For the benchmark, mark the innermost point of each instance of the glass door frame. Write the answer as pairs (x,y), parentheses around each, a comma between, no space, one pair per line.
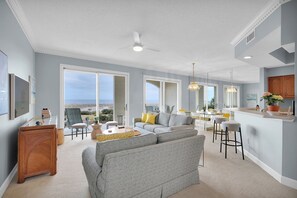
(162,99)
(96,71)
(238,96)
(206,85)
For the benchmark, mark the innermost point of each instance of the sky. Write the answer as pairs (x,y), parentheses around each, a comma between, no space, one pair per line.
(82,86)
(152,93)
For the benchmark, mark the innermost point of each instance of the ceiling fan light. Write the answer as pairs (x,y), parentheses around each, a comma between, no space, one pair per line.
(137,48)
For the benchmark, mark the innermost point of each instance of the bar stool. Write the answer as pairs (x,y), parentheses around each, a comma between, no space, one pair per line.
(235,127)
(217,121)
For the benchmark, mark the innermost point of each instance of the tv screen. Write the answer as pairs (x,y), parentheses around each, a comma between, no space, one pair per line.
(19,96)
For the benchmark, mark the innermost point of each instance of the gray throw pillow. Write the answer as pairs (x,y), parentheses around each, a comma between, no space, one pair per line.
(164,119)
(177,120)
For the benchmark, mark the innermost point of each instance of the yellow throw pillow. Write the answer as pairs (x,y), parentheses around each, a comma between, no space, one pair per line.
(151,118)
(143,117)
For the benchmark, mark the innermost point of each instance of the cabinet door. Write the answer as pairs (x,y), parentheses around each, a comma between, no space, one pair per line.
(275,85)
(289,86)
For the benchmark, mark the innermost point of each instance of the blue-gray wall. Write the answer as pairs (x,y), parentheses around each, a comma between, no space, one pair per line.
(251,88)
(21,61)
(48,83)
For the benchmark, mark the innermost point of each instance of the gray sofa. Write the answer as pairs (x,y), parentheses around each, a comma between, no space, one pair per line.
(168,126)
(141,167)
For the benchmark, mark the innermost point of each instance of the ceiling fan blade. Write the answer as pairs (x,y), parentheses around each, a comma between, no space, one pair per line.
(155,50)
(136,37)
(124,47)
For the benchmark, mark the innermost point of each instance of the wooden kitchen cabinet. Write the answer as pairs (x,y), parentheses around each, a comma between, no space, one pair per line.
(282,85)
(289,86)
(37,148)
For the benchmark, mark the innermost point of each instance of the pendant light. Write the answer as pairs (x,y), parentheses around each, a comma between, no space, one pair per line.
(193,86)
(231,89)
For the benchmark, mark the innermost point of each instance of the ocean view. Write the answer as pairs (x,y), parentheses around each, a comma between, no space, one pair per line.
(89,102)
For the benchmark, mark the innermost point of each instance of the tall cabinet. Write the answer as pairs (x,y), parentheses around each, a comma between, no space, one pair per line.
(37,148)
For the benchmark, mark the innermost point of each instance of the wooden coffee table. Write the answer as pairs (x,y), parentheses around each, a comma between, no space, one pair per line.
(120,130)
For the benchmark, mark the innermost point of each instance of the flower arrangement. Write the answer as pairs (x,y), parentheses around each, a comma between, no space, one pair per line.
(272,99)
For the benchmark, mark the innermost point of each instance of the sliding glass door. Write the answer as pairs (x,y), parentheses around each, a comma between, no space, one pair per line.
(161,95)
(80,92)
(206,97)
(231,96)
(100,96)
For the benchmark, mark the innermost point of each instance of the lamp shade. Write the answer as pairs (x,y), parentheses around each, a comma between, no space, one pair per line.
(231,89)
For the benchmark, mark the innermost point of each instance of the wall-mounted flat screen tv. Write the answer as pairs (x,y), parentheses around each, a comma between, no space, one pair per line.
(3,84)
(19,96)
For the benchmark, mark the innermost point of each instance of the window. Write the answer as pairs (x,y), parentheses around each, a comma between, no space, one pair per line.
(231,96)
(161,95)
(100,95)
(206,97)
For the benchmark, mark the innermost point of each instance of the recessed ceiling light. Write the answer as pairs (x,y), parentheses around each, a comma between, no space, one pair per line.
(247,57)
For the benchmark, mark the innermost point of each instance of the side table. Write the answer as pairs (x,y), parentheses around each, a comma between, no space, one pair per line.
(96,130)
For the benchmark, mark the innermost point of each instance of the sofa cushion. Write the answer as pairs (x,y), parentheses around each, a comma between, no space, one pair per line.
(140,124)
(162,129)
(181,127)
(103,148)
(152,127)
(177,120)
(174,135)
(164,119)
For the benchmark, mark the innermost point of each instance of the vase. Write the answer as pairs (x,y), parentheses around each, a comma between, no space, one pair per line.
(272,107)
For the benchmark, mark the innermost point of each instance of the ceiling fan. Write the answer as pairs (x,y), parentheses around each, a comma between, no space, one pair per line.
(138,46)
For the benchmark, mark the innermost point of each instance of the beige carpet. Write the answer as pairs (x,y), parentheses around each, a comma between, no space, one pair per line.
(233,177)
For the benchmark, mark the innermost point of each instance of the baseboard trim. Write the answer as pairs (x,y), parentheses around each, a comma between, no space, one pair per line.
(289,182)
(281,179)
(7,181)
(264,166)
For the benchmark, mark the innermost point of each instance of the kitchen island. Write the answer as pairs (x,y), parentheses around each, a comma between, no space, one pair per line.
(271,142)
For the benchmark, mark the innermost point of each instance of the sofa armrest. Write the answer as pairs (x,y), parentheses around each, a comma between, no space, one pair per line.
(134,120)
(92,169)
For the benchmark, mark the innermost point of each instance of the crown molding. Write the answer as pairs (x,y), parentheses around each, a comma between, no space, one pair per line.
(20,16)
(262,16)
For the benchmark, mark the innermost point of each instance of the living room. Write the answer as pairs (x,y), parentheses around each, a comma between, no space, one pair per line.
(181,43)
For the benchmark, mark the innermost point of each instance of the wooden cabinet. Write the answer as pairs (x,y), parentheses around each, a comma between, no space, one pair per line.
(289,86)
(37,149)
(282,85)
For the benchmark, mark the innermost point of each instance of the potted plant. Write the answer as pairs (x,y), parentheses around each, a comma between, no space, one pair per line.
(272,101)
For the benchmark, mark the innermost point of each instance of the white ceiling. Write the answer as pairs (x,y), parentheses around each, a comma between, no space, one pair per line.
(183,31)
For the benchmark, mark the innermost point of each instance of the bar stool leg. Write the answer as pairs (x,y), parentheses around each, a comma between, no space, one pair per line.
(82,133)
(71,133)
(216,131)
(235,142)
(213,131)
(226,134)
(221,141)
(241,143)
